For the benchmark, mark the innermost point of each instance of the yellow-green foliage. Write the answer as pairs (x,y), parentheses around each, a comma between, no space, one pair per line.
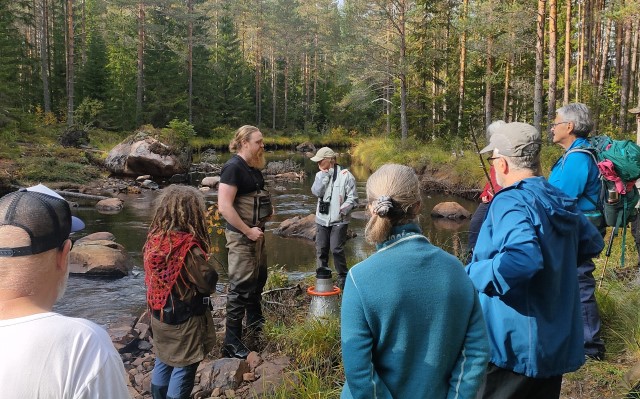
(105,140)
(307,384)
(463,165)
(313,344)
(277,278)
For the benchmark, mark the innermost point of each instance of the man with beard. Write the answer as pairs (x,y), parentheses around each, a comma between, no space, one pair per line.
(245,205)
(45,354)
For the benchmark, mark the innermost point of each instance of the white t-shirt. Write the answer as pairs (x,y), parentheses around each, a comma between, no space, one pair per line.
(48,355)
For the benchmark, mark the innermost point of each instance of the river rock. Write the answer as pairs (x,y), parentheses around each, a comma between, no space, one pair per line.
(303,227)
(450,210)
(101,235)
(211,181)
(271,376)
(142,154)
(110,205)
(225,373)
(298,226)
(307,146)
(103,258)
(150,184)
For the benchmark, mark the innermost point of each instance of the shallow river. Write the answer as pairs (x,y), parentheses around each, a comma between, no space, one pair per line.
(106,300)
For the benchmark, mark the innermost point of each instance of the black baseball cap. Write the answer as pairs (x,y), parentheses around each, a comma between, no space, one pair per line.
(43,214)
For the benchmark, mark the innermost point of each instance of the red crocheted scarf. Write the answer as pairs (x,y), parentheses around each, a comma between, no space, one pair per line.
(164,258)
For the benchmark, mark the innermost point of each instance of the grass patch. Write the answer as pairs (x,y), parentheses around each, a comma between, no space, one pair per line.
(53,163)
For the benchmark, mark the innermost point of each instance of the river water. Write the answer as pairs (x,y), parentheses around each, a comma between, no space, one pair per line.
(106,300)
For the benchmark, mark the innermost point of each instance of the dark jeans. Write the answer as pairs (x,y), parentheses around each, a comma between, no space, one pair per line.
(332,239)
(505,384)
(172,382)
(635,231)
(474,227)
(593,344)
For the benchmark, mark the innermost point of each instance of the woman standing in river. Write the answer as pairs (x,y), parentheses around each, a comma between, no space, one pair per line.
(179,282)
(412,326)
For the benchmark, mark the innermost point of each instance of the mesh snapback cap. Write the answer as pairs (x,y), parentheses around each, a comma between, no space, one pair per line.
(43,214)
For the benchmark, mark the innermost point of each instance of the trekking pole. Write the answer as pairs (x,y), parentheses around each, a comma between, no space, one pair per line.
(484,168)
(607,254)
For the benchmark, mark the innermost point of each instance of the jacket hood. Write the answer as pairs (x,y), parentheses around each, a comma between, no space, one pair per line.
(562,211)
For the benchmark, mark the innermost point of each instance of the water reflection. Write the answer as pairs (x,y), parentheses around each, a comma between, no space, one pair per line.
(103,301)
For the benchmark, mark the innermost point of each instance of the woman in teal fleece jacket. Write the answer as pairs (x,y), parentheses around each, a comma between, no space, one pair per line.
(412,326)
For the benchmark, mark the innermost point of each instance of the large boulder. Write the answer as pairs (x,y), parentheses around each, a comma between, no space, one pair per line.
(143,154)
(298,226)
(109,205)
(303,227)
(450,210)
(307,146)
(99,257)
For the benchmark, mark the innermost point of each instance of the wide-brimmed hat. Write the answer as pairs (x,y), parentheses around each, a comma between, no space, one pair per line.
(323,153)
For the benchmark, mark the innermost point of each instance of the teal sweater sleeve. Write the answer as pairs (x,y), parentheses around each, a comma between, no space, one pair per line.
(357,348)
(472,362)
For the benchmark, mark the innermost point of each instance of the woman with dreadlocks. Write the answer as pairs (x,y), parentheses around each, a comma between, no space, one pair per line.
(179,282)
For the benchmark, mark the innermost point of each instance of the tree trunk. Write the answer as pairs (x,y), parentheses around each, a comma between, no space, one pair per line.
(84,33)
(488,80)
(403,65)
(44,58)
(634,63)
(603,70)
(274,87)
(259,65)
(70,60)
(140,72)
(567,55)
(553,61)
(626,70)
(619,38)
(580,51)
(286,91)
(537,96)
(463,60)
(507,77)
(190,58)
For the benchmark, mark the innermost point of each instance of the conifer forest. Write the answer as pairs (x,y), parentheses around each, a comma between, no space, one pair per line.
(427,69)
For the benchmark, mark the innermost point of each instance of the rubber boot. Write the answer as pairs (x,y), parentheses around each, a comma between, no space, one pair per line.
(159,392)
(233,346)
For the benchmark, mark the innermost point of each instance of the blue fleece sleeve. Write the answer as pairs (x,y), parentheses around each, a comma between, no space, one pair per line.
(471,365)
(357,347)
(572,176)
(518,257)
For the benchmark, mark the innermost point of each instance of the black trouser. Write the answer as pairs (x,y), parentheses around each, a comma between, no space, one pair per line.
(332,239)
(635,231)
(501,383)
(593,343)
(474,227)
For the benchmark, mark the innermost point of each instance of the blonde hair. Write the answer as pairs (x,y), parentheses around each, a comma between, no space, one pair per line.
(181,208)
(242,134)
(398,187)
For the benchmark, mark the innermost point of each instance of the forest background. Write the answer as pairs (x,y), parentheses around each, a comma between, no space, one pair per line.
(423,69)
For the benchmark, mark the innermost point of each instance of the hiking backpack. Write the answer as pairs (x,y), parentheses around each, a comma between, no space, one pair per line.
(618,162)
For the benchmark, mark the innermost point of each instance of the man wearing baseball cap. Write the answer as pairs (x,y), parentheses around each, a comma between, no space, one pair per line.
(524,267)
(335,188)
(45,354)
